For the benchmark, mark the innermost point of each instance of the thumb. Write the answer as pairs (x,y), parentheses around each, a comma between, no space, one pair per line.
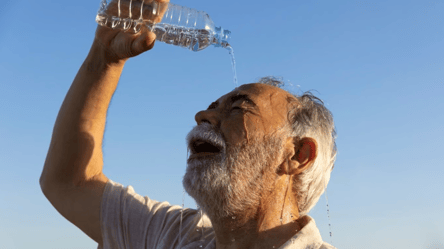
(144,42)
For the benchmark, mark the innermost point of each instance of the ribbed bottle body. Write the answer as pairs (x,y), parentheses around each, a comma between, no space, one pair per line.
(172,24)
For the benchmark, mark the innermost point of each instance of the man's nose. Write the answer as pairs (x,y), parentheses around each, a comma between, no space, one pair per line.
(209,116)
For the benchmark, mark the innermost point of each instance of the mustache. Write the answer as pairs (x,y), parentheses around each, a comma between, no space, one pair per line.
(206,133)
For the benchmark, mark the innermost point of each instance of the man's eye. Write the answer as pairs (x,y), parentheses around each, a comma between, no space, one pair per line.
(212,106)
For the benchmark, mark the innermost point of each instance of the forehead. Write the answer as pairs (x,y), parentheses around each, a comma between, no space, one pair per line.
(271,103)
(259,93)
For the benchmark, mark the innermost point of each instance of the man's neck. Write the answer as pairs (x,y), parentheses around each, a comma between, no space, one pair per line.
(248,237)
(270,225)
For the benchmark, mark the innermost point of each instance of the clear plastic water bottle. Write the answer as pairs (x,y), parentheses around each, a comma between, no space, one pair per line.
(172,24)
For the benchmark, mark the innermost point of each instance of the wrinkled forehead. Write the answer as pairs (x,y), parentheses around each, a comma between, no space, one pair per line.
(262,94)
(272,102)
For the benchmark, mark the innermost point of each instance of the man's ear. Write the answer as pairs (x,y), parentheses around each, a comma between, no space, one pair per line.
(302,155)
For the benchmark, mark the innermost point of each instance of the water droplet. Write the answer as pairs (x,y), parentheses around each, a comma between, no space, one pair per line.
(183,198)
(328,213)
(181,217)
(203,225)
(233,217)
(232,240)
(200,246)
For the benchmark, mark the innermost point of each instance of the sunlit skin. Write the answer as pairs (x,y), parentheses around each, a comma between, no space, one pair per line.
(261,111)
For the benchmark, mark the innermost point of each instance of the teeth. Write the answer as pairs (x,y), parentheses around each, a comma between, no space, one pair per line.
(196,144)
(199,143)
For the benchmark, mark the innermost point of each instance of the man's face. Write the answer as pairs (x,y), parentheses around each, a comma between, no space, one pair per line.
(236,149)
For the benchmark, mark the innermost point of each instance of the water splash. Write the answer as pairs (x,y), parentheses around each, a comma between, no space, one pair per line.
(233,63)
(328,214)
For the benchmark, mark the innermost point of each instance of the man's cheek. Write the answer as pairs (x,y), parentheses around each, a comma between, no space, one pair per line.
(234,133)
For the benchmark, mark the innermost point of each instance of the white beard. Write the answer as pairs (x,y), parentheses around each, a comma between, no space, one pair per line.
(228,183)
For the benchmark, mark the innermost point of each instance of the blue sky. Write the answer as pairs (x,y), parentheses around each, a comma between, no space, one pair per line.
(378,66)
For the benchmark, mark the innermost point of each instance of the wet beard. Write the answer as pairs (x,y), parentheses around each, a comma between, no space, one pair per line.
(229,183)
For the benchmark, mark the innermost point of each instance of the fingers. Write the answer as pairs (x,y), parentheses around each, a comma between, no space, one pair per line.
(122,39)
(144,42)
(162,8)
(148,10)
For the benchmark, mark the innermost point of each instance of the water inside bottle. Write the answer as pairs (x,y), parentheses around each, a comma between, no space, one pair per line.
(193,39)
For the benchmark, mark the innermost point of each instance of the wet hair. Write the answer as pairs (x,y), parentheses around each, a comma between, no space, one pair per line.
(308,117)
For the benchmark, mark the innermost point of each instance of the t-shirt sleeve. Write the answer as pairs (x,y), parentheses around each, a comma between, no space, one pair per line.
(130,221)
(327,246)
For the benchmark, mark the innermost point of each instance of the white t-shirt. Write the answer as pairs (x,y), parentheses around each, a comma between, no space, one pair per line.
(131,221)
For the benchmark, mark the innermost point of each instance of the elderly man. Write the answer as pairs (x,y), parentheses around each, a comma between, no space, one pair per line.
(260,158)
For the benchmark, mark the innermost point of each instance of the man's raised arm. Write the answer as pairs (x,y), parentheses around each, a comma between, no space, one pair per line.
(72,178)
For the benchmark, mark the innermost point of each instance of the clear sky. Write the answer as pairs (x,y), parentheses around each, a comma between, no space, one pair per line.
(378,66)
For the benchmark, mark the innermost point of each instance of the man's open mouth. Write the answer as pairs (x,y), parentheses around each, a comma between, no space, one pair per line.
(199,147)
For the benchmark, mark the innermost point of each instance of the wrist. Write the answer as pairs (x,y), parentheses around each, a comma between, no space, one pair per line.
(103,56)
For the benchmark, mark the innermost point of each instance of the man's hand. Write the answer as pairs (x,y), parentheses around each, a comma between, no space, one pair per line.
(120,45)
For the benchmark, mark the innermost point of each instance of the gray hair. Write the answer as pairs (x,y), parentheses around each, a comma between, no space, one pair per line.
(308,117)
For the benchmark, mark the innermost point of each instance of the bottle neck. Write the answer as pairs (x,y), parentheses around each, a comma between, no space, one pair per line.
(221,37)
